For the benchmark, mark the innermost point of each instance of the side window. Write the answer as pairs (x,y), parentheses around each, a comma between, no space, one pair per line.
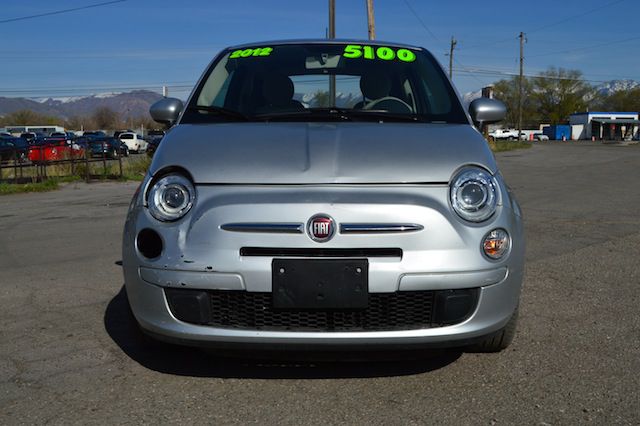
(408,93)
(222,94)
(217,79)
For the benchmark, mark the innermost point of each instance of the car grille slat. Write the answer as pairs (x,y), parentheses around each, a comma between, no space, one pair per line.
(320,252)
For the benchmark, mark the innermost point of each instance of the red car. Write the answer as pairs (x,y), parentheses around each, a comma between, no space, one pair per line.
(54,149)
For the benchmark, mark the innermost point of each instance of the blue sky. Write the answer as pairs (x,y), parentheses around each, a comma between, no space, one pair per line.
(145,44)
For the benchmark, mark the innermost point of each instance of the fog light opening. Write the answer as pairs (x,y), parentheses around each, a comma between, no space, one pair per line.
(149,243)
(496,244)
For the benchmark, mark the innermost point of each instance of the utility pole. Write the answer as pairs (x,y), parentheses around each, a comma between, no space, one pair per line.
(371,23)
(332,18)
(520,85)
(453,46)
(332,35)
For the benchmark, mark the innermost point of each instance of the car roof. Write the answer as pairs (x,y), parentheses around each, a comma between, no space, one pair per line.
(326,41)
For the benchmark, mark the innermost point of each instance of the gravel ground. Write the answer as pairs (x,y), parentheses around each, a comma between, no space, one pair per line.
(69,353)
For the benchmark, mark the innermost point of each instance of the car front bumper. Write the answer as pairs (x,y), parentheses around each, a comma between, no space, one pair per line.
(199,255)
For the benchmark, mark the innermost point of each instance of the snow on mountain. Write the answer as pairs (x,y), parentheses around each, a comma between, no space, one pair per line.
(129,104)
(67,99)
(63,99)
(107,95)
(343,100)
(613,86)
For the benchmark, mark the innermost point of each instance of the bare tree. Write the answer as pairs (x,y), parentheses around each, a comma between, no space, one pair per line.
(106,118)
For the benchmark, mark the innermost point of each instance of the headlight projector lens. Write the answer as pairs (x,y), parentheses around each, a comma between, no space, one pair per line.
(171,197)
(473,194)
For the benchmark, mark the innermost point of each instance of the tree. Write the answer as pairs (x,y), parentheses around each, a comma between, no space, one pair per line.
(26,117)
(557,93)
(105,118)
(623,100)
(78,123)
(507,92)
(320,99)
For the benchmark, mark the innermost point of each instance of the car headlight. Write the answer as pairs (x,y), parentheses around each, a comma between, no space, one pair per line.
(171,197)
(473,194)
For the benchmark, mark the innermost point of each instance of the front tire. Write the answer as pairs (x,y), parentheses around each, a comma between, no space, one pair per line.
(499,340)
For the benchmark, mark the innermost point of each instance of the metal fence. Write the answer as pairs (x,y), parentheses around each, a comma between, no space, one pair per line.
(41,162)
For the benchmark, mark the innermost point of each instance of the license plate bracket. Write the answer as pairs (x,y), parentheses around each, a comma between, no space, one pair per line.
(323,284)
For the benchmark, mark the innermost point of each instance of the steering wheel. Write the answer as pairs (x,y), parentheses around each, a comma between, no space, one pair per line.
(391,104)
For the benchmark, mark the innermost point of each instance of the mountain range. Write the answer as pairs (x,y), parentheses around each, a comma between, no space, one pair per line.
(129,104)
(136,103)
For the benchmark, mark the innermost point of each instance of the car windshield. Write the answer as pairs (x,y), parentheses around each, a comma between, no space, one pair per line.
(325,82)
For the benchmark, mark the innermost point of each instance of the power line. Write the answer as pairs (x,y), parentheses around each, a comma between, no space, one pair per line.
(579,15)
(57,12)
(578,49)
(412,10)
(568,18)
(465,69)
(495,73)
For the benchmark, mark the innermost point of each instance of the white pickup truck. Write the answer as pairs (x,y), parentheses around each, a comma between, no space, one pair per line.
(134,142)
(504,134)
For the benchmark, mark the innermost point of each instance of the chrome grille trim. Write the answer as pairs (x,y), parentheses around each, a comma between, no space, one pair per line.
(265,227)
(372,228)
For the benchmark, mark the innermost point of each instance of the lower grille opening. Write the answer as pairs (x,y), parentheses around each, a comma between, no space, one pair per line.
(410,310)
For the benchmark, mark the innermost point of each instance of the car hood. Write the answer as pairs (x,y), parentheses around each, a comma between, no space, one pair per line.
(318,153)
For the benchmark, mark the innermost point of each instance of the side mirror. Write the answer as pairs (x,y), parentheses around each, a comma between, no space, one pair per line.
(166,111)
(486,111)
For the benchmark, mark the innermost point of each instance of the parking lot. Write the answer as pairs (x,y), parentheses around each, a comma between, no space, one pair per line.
(70,354)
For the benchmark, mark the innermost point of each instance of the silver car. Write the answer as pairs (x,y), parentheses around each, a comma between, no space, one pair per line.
(325,194)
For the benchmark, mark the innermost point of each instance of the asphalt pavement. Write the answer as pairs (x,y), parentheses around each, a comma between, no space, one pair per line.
(69,353)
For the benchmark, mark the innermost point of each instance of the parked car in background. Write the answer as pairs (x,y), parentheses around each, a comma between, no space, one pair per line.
(94,134)
(33,137)
(117,133)
(12,148)
(155,132)
(19,147)
(540,137)
(134,142)
(54,149)
(6,149)
(154,142)
(504,134)
(70,136)
(107,147)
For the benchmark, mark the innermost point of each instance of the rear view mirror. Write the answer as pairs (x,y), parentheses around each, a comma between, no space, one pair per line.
(166,111)
(486,111)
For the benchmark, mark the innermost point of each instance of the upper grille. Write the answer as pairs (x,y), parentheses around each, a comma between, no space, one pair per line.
(320,252)
(253,311)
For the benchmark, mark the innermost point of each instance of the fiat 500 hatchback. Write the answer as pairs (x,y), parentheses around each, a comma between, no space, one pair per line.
(325,194)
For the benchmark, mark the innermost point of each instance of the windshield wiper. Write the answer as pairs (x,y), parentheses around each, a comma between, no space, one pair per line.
(345,114)
(331,113)
(226,112)
(384,115)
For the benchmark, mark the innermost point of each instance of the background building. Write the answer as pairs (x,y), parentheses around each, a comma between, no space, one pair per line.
(604,125)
